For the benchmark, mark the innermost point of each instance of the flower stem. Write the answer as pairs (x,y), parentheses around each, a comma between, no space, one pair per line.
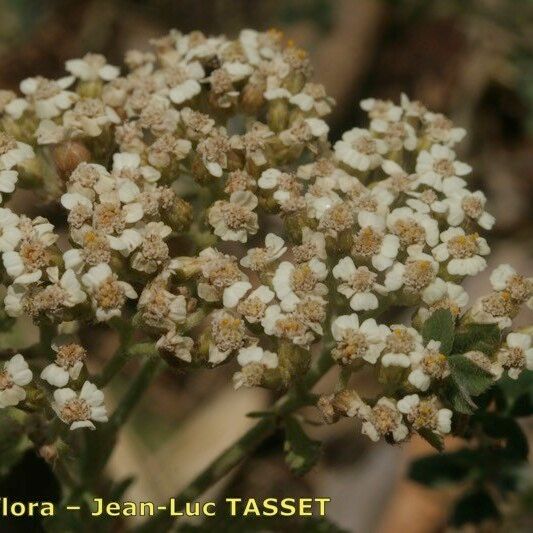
(242,448)
(135,392)
(100,444)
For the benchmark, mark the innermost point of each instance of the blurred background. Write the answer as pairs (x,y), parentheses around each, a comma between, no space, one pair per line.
(470,59)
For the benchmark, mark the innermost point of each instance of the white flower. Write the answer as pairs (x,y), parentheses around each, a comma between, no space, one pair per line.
(381,109)
(515,356)
(254,361)
(401,345)
(359,285)
(234,293)
(463,252)
(462,204)
(127,164)
(79,411)
(317,127)
(269,178)
(397,135)
(371,243)
(108,294)
(413,227)
(360,150)
(68,362)
(49,97)
(452,297)
(11,105)
(425,414)
(438,164)
(412,108)
(520,288)
(227,335)
(495,308)
(177,345)
(291,282)
(8,179)
(91,68)
(25,264)
(234,220)
(313,97)
(501,276)
(10,234)
(49,132)
(286,325)
(151,251)
(440,129)
(12,153)
(426,202)
(384,419)
(13,377)
(313,245)
(323,203)
(418,275)
(89,117)
(13,301)
(429,364)
(184,81)
(253,307)
(355,342)
(259,258)
(237,70)
(72,292)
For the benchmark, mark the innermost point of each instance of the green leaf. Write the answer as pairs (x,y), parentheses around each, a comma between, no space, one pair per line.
(473,508)
(302,453)
(260,414)
(440,327)
(468,376)
(434,439)
(446,468)
(477,337)
(516,395)
(458,398)
(523,405)
(516,446)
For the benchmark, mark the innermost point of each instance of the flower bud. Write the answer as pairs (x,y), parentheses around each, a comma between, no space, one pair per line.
(347,402)
(179,215)
(252,98)
(293,362)
(278,115)
(90,89)
(68,155)
(326,408)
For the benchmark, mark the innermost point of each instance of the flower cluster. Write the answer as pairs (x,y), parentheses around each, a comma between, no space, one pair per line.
(204,206)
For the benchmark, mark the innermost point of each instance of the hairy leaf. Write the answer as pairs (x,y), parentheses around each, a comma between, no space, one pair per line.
(516,446)
(432,438)
(440,327)
(469,376)
(474,507)
(436,470)
(477,337)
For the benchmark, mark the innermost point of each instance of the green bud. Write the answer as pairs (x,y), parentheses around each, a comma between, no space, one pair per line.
(278,115)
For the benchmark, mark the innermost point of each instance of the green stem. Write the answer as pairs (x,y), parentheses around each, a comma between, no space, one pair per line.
(47,331)
(135,392)
(100,444)
(233,455)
